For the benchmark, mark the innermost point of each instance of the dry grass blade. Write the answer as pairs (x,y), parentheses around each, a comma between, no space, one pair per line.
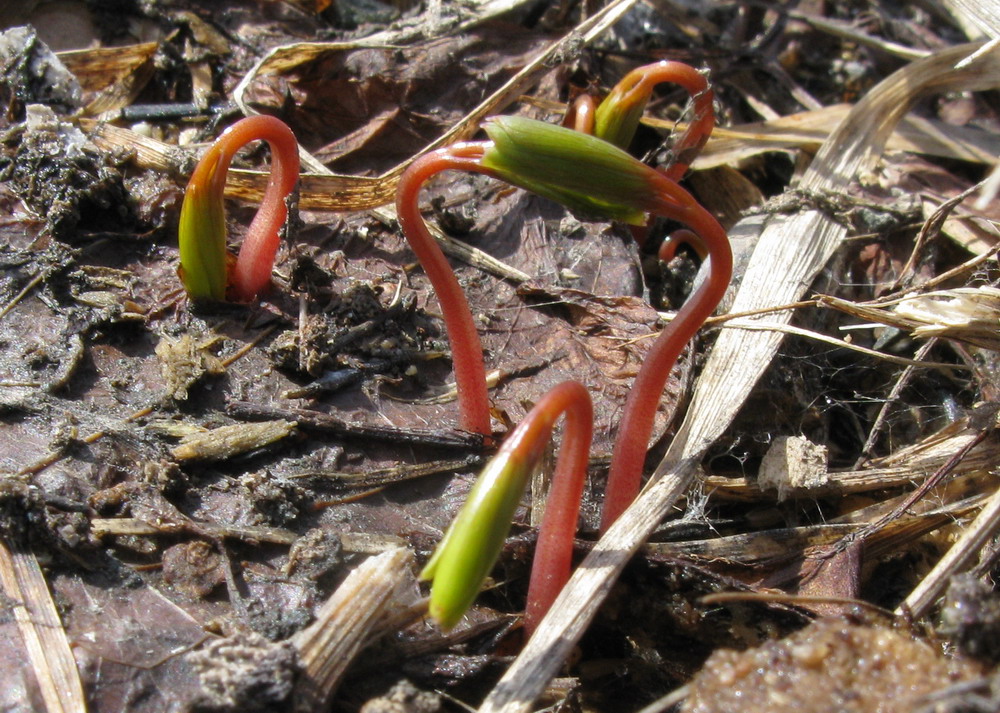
(966,314)
(842,29)
(952,499)
(982,14)
(328,645)
(810,128)
(791,251)
(116,74)
(27,593)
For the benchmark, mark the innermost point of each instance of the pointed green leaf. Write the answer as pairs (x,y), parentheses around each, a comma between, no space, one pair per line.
(202,233)
(472,543)
(580,171)
(618,116)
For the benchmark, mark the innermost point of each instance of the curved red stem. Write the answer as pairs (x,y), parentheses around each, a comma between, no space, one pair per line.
(466,349)
(252,272)
(550,569)
(683,236)
(642,80)
(632,442)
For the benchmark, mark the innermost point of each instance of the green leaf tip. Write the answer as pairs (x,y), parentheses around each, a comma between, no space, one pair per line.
(472,544)
(202,234)
(584,173)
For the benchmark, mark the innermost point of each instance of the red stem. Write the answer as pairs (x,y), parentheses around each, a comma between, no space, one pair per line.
(683,236)
(642,80)
(554,553)
(466,349)
(629,454)
(580,114)
(252,272)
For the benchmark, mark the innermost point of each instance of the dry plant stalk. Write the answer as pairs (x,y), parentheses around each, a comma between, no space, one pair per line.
(328,645)
(976,535)
(51,659)
(966,314)
(906,466)
(953,499)
(790,253)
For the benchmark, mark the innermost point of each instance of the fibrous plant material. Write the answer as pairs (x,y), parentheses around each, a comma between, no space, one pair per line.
(205,268)
(228,441)
(327,646)
(57,680)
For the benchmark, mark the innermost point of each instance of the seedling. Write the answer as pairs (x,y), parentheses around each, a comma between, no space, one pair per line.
(617,117)
(594,177)
(205,263)
(472,543)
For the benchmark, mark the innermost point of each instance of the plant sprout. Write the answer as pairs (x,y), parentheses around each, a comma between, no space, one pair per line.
(592,176)
(582,165)
(472,543)
(205,265)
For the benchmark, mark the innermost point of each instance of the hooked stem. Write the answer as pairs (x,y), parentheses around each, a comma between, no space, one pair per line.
(203,233)
(629,454)
(466,348)
(550,569)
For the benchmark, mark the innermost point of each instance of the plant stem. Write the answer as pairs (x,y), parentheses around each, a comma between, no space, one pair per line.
(252,273)
(554,553)
(629,453)
(580,114)
(202,230)
(466,349)
(619,113)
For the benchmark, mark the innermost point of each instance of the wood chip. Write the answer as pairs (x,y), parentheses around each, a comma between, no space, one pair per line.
(228,441)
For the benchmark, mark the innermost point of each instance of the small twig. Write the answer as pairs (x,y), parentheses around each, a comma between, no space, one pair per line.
(917,494)
(792,599)
(355,543)
(396,474)
(798,331)
(958,271)
(248,347)
(325,423)
(32,283)
(930,229)
(56,456)
(729,316)
(344,623)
